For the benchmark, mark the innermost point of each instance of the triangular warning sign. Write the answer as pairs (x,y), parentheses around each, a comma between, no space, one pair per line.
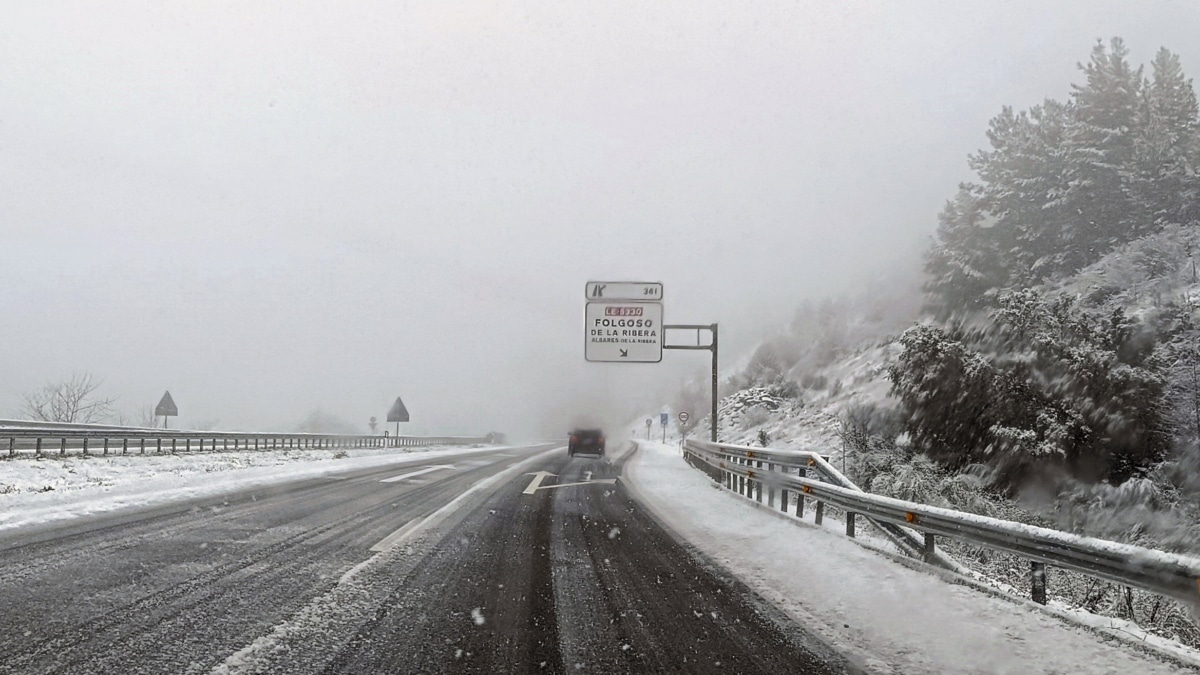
(398,413)
(166,407)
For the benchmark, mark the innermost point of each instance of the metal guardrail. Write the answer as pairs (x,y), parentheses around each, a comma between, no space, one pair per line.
(40,439)
(747,470)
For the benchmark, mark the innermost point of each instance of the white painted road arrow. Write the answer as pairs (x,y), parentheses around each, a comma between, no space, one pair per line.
(537,481)
(428,469)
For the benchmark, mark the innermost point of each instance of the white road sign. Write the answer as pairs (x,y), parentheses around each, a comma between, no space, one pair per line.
(624,332)
(645,291)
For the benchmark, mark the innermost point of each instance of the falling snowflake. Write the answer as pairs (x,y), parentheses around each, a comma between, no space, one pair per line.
(477,615)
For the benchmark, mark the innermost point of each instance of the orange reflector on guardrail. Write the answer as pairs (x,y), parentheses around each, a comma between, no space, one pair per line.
(807,489)
(750,454)
(910,517)
(750,474)
(812,462)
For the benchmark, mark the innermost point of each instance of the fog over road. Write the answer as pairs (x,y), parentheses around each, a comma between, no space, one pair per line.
(469,564)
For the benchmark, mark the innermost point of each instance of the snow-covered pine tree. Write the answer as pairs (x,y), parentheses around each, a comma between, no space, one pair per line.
(1166,183)
(1100,152)
(964,264)
(1023,176)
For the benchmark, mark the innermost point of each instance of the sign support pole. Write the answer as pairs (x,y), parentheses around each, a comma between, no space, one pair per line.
(712,328)
(713,431)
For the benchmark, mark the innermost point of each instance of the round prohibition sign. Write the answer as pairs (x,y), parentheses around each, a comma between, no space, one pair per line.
(683,417)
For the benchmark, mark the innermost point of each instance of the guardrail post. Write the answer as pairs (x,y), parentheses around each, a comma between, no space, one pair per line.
(800,495)
(12,447)
(189,445)
(62,448)
(783,493)
(820,515)
(106,446)
(39,446)
(850,524)
(174,447)
(1038,577)
(124,446)
(770,488)
(85,446)
(158,450)
(927,554)
(143,445)
(758,483)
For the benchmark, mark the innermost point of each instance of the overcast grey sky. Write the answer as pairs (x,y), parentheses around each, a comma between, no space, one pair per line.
(273,207)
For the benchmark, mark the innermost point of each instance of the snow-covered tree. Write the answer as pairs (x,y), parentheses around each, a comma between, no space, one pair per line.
(1166,180)
(1101,140)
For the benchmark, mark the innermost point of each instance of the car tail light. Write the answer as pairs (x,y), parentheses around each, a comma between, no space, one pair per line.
(574,438)
(601,440)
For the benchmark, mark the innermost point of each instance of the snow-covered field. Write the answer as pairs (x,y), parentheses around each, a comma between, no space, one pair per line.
(34,491)
(891,617)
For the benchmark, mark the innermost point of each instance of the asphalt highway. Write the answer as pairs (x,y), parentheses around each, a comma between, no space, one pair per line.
(507,560)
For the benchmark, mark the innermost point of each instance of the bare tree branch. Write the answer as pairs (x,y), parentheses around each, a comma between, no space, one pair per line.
(72,400)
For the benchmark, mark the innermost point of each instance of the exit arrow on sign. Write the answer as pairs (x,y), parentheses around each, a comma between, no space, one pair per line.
(624,353)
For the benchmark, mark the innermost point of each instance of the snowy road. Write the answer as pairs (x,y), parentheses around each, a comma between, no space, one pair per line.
(465,564)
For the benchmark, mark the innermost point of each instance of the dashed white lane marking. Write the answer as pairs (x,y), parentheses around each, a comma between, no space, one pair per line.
(428,469)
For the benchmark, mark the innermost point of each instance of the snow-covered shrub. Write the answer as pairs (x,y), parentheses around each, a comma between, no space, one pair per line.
(755,416)
(1043,388)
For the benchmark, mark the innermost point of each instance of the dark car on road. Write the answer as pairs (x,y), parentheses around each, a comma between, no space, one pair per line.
(590,441)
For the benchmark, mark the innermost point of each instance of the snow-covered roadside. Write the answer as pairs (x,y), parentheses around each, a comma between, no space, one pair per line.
(889,617)
(35,491)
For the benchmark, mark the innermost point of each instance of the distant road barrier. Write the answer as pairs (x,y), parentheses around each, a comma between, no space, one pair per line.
(42,438)
(808,475)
